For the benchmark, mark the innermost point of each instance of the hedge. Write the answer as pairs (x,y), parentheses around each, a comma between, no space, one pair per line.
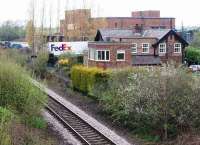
(85,79)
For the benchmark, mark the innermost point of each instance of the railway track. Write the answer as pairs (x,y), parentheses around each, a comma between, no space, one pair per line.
(83,131)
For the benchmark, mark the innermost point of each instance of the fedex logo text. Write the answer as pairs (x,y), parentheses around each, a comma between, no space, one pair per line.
(63,47)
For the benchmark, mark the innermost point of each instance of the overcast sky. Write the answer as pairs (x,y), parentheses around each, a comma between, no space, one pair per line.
(186,11)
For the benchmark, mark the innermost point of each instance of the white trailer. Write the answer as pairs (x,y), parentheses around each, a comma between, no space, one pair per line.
(58,48)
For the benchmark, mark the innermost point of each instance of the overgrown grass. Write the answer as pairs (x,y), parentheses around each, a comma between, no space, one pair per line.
(17,56)
(18,94)
(5,119)
(36,122)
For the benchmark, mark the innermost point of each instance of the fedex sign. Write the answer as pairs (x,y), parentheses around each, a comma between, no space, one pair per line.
(58,48)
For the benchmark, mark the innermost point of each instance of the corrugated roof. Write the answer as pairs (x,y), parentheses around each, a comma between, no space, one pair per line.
(145,60)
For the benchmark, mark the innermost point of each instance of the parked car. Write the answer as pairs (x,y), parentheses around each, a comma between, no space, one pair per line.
(17,46)
(194,68)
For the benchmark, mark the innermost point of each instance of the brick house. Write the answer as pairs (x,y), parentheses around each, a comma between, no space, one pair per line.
(121,48)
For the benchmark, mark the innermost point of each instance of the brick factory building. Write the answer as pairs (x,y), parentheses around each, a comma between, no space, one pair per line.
(79,24)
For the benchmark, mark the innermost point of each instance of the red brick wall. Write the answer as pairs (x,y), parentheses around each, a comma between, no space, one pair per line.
(147,23)
(155,14)
(113,63)
(79,16)
(139,42)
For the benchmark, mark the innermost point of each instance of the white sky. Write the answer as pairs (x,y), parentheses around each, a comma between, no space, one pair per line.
(183,10)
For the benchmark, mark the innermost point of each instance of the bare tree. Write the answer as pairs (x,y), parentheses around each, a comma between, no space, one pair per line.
(58,16)
(43,9)
(50,19)
(30,28)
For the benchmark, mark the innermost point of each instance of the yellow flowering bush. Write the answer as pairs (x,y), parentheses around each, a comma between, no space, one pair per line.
(63,62)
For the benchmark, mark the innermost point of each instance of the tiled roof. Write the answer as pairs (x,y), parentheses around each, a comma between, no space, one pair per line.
(117,33)
(145,60)
(127,33)
(155,33)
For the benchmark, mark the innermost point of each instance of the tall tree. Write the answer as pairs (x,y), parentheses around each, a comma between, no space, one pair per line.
(10,31)
(196,40)
(30,32)
(30,27)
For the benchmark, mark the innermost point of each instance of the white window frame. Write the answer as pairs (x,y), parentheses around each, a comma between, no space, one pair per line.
(134,47)
(180,48)
(97,59)
(121,52)
(164,48)
(145,47)
(94,53)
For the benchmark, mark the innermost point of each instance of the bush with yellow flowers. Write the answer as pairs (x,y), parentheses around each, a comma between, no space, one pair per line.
(63,62)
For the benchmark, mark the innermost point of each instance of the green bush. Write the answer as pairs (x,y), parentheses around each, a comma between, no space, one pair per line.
(85,79)
(160,101)
(40,64)
(16,90)
(193,55)
(196,40)
(5,119)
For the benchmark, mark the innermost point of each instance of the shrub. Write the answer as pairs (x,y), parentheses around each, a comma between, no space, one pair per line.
(193,55)
(84,79)
(40,64)
(17,92)
(63,62)
(73,59)
(161,102)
